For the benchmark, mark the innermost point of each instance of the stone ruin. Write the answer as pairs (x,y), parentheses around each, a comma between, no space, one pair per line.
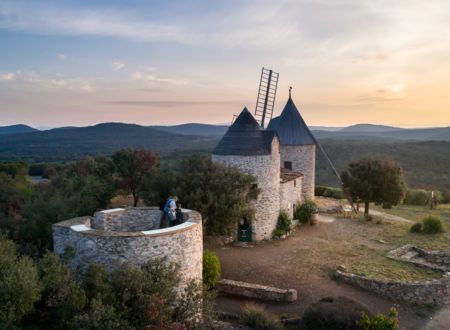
(132,235)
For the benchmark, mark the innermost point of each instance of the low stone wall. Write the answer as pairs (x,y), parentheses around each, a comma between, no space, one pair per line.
(436,260)
(435,257)
(430,293)
(256,291)
(128,220)
(181,244)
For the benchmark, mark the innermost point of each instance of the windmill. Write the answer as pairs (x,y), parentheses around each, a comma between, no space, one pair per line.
(267,92)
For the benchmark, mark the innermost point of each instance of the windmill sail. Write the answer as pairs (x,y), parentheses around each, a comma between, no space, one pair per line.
(267,92)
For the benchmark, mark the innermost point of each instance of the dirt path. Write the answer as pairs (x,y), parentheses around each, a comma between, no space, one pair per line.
(440,321)
(390,216)
(304,262)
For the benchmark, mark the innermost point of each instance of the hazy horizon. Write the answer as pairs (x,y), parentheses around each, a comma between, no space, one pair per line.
(314,127)
(78,63)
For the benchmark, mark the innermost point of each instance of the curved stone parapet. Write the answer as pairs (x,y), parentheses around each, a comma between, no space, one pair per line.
(132,235)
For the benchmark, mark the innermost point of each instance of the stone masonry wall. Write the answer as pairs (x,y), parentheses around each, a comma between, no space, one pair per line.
(438,260)
(130,219)
(431,293)
(266,169)
(436,257)
(290,195)
(256,291)
(182,244)
(303,158)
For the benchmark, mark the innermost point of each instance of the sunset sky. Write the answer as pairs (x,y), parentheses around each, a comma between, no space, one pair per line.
(162,62)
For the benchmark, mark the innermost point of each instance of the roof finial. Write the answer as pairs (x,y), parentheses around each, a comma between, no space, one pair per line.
(290,89)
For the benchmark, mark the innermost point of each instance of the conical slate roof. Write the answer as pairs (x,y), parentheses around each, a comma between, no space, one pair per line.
(245,138)
(290,126)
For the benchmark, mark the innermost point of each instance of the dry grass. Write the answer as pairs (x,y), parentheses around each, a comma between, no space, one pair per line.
(417,213)
(362,245)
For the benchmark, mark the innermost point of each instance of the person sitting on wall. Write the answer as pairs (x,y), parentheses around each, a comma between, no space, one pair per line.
(169,214)
(178,215)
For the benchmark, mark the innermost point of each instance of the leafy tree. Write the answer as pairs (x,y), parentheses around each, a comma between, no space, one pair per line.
(62,297)
(17,170)
(13,193)
(220,193)
(90,183)
(99,316)
(19,285)
(158,185)
(132,165)
(373,180)
(79,189)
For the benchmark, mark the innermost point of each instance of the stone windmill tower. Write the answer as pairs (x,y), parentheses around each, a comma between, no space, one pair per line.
(297,145)
(255,151)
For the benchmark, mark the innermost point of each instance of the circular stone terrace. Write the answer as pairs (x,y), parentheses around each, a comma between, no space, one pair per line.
(132,235)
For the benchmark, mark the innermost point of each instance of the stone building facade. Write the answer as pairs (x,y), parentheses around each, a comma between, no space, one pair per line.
(266,170)
(132,235)
(290,192)
(303,160)
(281,158)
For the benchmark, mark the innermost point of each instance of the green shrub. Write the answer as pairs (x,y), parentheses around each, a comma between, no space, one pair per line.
(211,269)
(380,321)
(332,313)
(284,222)
(386,205)
(279,232)
(432,225)
(416,228)
(331,192)
(256,317)
(304,211)
(446,196)
(319,190)
(368,217)
(418,197)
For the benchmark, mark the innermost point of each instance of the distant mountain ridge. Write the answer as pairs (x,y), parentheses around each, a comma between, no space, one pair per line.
(425,162)
(74,143)
(195,129)
(16,129)
(369,128)
(408,134)
(358,131)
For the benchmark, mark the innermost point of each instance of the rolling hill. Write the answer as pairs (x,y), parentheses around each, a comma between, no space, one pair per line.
(16,129)
(195,129)
(413,134)
(426,163)
(368,128)
(71,144)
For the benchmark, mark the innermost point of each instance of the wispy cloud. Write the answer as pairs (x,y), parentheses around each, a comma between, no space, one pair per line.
(153,78)
(61,56)
(36,81)
(172,104)
(60,20)
(7,76)
(117,66)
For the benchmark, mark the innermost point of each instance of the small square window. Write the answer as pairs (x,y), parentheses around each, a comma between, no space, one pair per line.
(288,165)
